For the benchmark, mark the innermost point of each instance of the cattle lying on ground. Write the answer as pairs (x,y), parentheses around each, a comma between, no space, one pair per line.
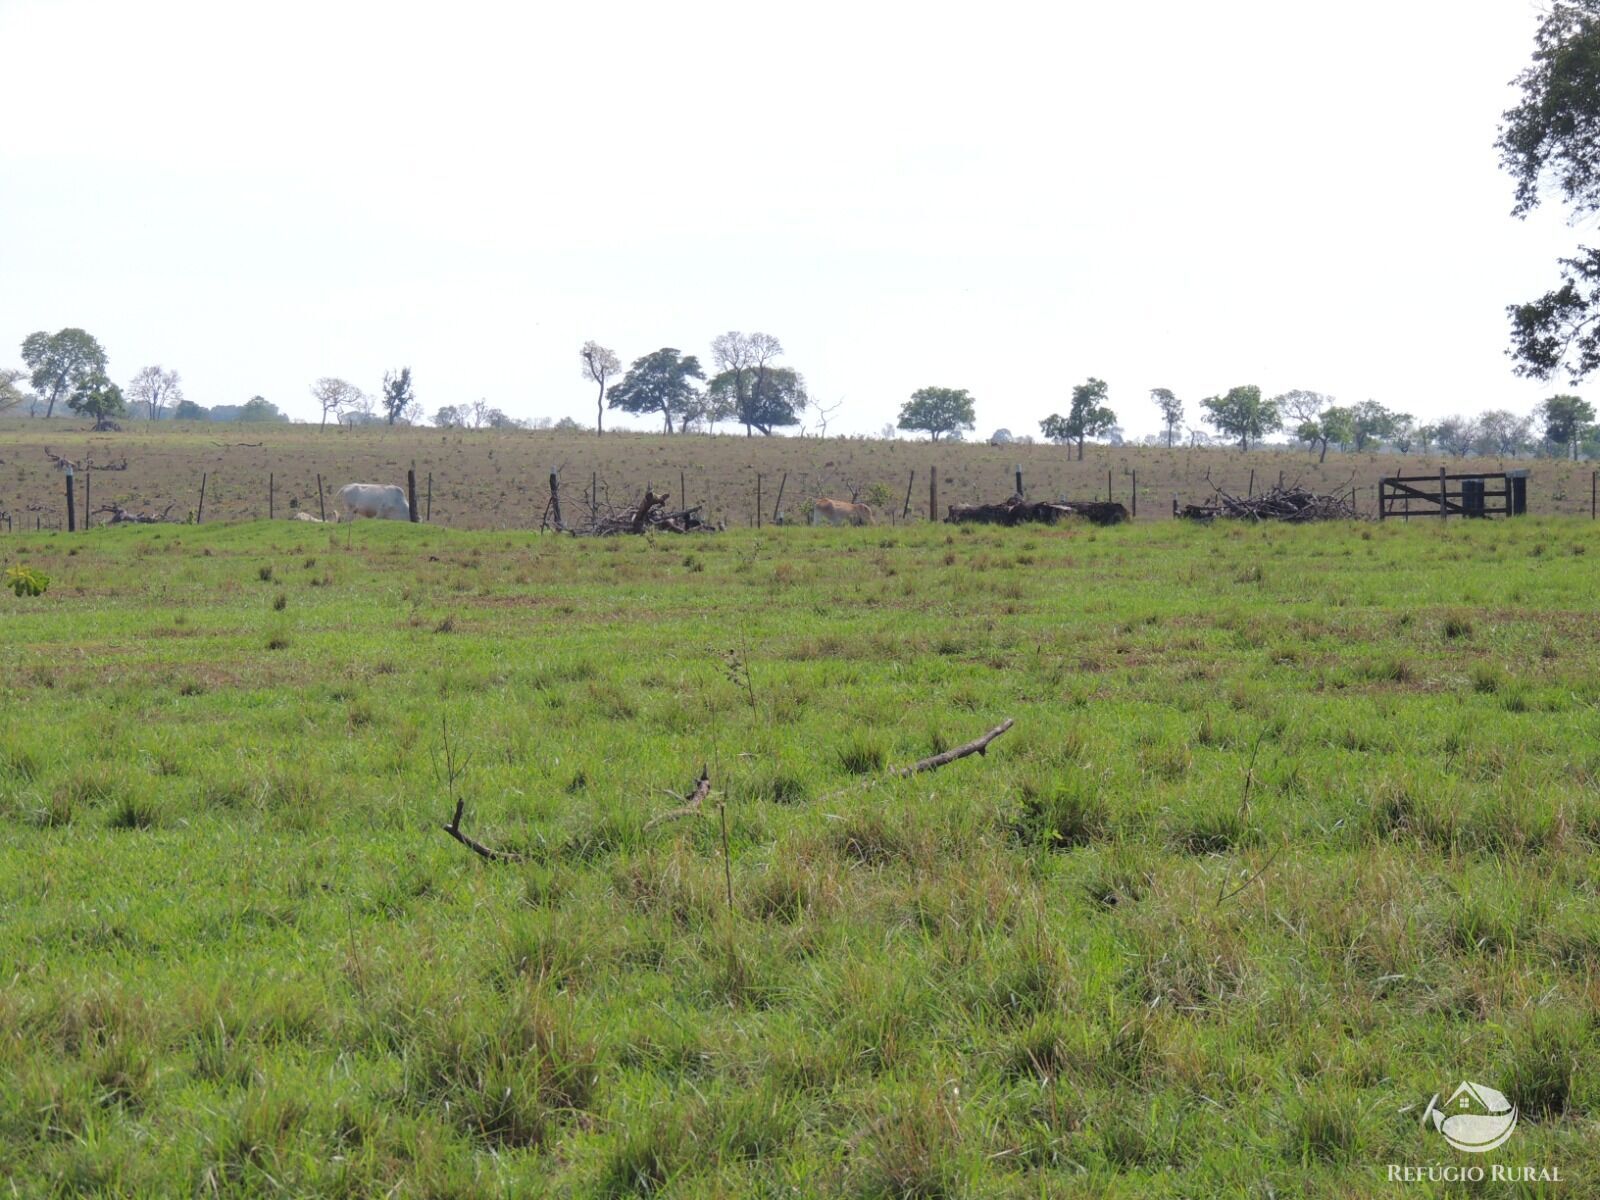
(305,516)
(840,512)
(377,500)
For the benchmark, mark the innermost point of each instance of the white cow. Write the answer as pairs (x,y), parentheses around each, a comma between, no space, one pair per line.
(305,516)
(380,500)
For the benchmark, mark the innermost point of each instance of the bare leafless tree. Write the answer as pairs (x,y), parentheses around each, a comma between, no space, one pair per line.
(153,389)
(599,364)
(334,395)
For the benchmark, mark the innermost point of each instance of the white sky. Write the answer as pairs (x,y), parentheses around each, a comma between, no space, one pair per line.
(1002,197)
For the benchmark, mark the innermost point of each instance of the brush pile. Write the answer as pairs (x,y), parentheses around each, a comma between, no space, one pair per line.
(649,515)
(1293,504)
(1017,511)
(121,516)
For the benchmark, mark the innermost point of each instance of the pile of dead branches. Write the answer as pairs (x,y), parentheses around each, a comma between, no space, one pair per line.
(649,515)
(1280,504)
(121,516)
(1016,511)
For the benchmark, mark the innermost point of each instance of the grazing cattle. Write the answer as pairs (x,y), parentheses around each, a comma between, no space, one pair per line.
(380,500)
(840,512)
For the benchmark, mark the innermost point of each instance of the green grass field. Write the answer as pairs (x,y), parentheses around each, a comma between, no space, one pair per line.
(1111,958)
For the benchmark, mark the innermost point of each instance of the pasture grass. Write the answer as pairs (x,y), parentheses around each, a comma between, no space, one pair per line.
(1295,829)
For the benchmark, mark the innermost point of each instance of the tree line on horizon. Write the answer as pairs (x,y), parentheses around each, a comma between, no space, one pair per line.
(753,390)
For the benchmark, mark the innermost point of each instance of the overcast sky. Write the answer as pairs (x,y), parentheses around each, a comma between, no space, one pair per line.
(1002,197)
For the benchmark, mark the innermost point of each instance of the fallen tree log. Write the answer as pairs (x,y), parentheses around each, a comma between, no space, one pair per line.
(1017,511)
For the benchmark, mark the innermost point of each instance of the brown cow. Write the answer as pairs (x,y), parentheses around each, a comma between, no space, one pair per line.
(840,512)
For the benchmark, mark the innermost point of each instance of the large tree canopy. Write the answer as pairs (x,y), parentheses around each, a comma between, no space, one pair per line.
(1088,417)
(1566,420)
(938,411)
(61,363)
(746,374)
(659,382)
(96,396)
(1243,414)
(773,397)
(1554,135)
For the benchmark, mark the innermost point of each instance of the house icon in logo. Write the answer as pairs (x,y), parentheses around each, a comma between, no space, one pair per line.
(1475,1118)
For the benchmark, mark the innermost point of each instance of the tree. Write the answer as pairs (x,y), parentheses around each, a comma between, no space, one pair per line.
(10,394)
(188,410)
(1501,432)
(774,396)
(1565,419)
(937,411)
(1427,435)
(1243,414)
(333,395)
(153,389)
(1405,432)
(1171,410)
(96,396)
(61,363)
(658,382)
(1087,417)
(397,394)
(1371,422)
(450,417)
(718,402)
(1555,133)
(259,408)
(764,398)
(1456,435)
(568,425)
(1304,409)
(1339,425)
(599,365)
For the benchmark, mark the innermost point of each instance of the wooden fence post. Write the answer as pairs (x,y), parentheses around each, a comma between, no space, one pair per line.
(777,505)
(200,513)
(683,490)
(758,499)
(933,493)
(1593,476)
(428,512)
(411,491)
(88,496)
(322,513)
(594,496)
(72,512)
(271,496)
(555,500)
(1251,490)
(1109,497)
(1019,479)
(1444,509)
(1135,511)
(905,513)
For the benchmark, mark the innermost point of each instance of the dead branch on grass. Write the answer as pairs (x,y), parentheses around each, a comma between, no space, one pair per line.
(692,802)
(933,762)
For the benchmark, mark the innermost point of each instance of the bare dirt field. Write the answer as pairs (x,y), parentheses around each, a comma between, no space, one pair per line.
(499,479)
